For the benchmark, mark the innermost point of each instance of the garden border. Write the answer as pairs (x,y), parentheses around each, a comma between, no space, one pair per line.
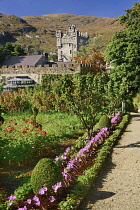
(84,182)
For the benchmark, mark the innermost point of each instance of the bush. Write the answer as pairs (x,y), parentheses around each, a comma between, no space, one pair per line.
(104,122)
(46,173)
(22,191)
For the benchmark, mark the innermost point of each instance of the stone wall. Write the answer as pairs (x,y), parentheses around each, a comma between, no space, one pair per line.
(35,71)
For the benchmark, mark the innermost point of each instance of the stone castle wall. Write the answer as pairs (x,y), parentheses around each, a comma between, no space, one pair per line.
(35,71)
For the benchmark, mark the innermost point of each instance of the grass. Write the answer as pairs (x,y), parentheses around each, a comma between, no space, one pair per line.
(62,129)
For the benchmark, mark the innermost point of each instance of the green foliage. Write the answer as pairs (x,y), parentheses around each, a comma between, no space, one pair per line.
(131,17)
(123,52)
(83,95)
(46,173)
(2,54)
(70,203)
(22,191)
(11,49)
(25,142)
(136,101)
(104,122)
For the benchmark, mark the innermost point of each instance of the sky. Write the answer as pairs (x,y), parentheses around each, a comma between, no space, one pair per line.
(100,8)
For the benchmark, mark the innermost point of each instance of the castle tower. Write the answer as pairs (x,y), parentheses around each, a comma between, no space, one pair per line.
(68,44)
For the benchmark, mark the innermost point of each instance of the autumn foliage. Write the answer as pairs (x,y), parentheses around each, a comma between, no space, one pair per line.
(95,59)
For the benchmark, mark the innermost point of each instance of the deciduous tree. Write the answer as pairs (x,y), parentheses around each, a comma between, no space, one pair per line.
(123,52)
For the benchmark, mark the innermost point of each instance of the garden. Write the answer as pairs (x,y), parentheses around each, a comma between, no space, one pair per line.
(55,138)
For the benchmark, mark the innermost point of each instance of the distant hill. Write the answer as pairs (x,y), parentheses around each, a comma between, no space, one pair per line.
(37,33)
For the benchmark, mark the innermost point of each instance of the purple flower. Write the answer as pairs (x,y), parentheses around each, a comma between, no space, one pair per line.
(57,186)
(66,175)
(57,158)
(37,203)
(42,190)
(63,157)
(24,208)
(28,201)
(45,189)
(35,198)
(52,199)
(68,149)
(12,197)
(9,203)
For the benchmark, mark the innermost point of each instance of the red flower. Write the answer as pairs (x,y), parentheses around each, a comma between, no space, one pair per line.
(44,132)
(32,122)
(38,130)
(24,131)
(9,128)
(10,121)
(25,121)
(28,115)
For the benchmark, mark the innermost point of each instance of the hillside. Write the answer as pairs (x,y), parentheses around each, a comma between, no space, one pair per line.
(38,32)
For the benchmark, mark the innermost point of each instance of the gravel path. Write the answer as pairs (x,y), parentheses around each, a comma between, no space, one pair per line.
(118,184)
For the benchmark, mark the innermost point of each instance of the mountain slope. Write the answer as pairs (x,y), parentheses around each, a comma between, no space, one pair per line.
(38,32)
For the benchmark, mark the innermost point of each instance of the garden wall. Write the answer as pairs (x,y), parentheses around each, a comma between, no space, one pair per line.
(35,71)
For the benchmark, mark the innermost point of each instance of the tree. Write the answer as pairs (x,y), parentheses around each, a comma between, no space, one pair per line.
(123,52)
(11,49)
(87,98)
(92,57)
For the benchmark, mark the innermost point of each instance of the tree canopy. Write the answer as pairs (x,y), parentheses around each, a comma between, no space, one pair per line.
(11,49)
(123,50)
(92,57)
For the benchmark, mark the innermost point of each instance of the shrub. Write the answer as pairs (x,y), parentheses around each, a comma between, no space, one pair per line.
(22,191)
(46,173)
(104,122)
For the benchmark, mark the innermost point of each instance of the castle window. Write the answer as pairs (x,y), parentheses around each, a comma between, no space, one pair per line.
(70,51)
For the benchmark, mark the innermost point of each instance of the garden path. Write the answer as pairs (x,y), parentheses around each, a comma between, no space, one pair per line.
(118,184)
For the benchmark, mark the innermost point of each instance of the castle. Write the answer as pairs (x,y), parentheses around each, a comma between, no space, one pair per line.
(69,43)
(36,65)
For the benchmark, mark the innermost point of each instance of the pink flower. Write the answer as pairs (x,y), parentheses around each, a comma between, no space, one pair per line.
(10,121)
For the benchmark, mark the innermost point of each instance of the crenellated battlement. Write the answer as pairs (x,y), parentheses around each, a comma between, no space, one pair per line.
(35,71)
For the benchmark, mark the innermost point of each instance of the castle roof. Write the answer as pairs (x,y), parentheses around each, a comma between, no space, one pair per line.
(21,60)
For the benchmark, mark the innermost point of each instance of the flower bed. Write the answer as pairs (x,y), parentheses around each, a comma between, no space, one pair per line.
(78,170)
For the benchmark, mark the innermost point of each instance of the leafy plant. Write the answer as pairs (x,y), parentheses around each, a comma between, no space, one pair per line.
(104,122)
(45,174)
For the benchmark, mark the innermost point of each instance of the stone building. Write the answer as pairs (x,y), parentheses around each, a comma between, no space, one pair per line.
(69,43)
